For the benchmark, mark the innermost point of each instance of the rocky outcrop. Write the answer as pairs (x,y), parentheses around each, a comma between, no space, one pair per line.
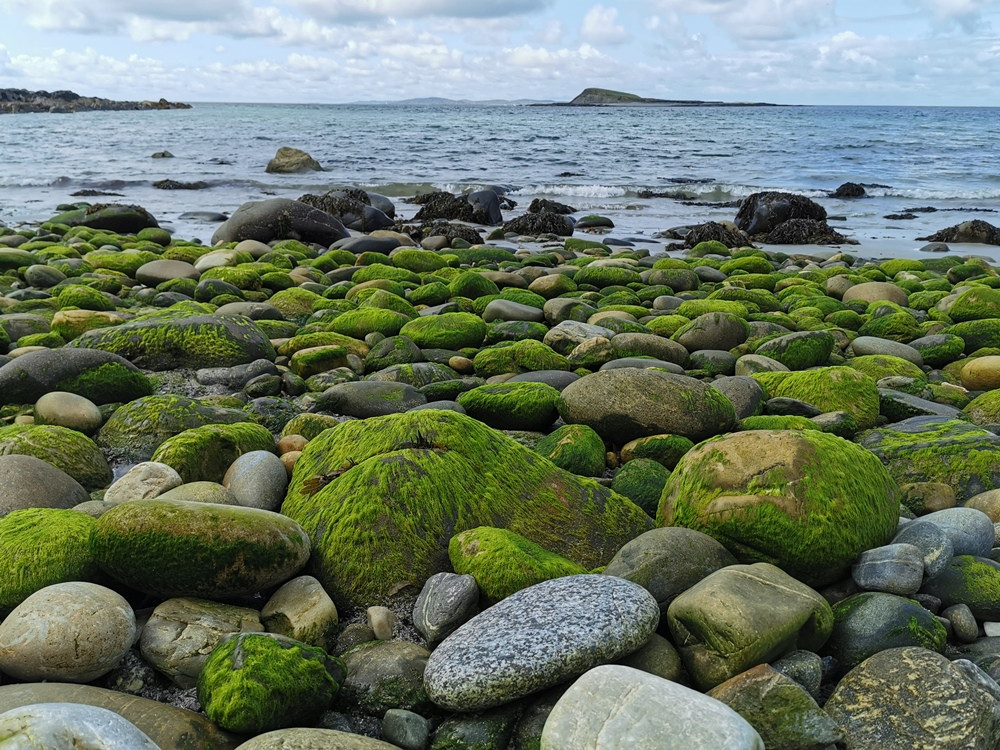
(977,231)
(15,101)
(761,213)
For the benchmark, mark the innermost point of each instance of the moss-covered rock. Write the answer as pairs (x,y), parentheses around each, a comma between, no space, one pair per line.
(99,376)
(169,548)
(975,304)
(503,562)
(605,276)
(411,481)
(665,449)
(172,340)
(977,334)
(641,480)
(309,425)
(828,389)
(973,581)
(43,546)
(513,406)
(800,350)
(575,448)
(323,338)
(777,422)
(204,453)
(878,366)
(455,330)
(527,355)
(804,500)
(472,285)
(68,450)
(256,682)
(84,297)
(359,323)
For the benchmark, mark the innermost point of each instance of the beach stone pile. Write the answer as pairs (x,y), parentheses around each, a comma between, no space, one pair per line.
(309,486)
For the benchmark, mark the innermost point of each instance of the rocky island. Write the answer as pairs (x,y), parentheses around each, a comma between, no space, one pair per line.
(18,101)
(594,97)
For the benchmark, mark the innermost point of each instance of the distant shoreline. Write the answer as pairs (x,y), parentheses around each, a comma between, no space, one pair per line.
(22,101)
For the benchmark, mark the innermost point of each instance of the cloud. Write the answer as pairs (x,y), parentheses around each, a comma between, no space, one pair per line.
(599,26)
(771,20)
(965,14)
(375,11)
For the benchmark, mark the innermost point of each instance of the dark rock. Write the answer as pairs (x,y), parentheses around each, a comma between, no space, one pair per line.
(14,101)
(544,205)
(175,185)
(806,232)
(280,218)
(899,217)
(977,231)
(849,190)
(713,231)
(162,155)
(761,213)
(486,204)
(352,212)
(118,218)
(101,376)
(541,223)
(289,160)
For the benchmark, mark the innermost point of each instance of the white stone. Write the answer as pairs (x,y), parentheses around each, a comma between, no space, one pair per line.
(70,726)
(143,481)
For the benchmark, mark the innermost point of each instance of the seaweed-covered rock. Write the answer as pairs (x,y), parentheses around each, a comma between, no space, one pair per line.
(973,581)
(177,548)
(800,350)
(256,682)
(761,213)
(803,231)
(828,389)
(102,377)
(712,231)
(446,331)
(68,450)
(277,219)
(419,478)
(166,341)
(204,453)
(977,231)
(114,217)
(575,448)
(526,355)
(806,501)
(43,546)
(513,406)
(628,403)
(641,480)
(544,222)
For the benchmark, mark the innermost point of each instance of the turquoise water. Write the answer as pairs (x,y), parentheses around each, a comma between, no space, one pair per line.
(596,159)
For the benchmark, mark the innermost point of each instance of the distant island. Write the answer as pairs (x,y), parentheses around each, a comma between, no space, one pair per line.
(18,101)
(592,97)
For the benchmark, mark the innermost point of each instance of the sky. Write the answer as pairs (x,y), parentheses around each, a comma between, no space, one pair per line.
(897,52)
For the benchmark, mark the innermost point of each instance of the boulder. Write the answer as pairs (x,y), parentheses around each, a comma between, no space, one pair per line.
(976,231)
(113,217)
(30,482)
(68,726)
(761,213)
(288,160)
(67,450)
(278,219)
(101,376)
(204,453)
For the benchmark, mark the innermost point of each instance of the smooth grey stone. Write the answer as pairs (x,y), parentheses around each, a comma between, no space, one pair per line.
(199,492)
(612,706)
(366,244)
(29,482)
(252,310)
(68,410)
(745,394)
(504,309)
(279,218)
(970,530)
(751,363)
(257,479)
(383,675)
(900,405)
(567,335)
(805,667)
(709,274)
(445,602)
(25,379)
(299,738)
(237,376)
(43,276)
(368,398)
(717,361)
(667,302)
(963,623)
(893,568)
(538,637)
(864,345)
(23,324)
(558,379)
(790,407)
(648,345)
(406,729)
(69,726)
(714,330)
(933,542)
(560,309)
(642,363)
(157,271)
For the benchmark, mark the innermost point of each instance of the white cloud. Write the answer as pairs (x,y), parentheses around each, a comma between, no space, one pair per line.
(759,19)
(371,11)
(966,14)
(600,26)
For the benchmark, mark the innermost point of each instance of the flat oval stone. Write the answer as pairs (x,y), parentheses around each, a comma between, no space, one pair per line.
(68,726)
(538,637)
(892,568)
(970,530)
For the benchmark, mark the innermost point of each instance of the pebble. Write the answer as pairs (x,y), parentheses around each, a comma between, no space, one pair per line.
(446,601)
(382,621)
(257,479)
(68,410)
(301,609)
(893,568)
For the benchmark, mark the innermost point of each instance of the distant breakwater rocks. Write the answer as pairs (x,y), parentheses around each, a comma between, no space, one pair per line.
(19,101)
(400,487)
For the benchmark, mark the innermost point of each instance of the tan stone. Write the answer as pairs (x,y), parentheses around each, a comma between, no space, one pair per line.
(313,739)
(927,497)
(301,609)
(988,502)
(876,291)
(982,373)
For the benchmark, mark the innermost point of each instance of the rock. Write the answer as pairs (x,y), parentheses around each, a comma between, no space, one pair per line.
(745,615)
(744,393)
(877,291)
(910,697)
(892,568)
(158,271)
(805,500)
(628,403)
(615,707)
(114,217)
(641,480)
(970,530)
(873,621)
(66,632)
(30,482)
(509,406)
(668,561)
(383,675)
(968,580)
(257,682)
(828,389)
(932,541)
(181,633)
(805,232)
(573,447)
(849,190)
(459,474)
(289,160)
(445,602)
(981,373)
(761,213)
(174,548)
(204,453)
(257,480)
(406,729)
(976,231)
(280,218)
(169,727)
(302,610)
(800,350)
(545,222)
(68,450)
(539,637)
(66,726)
(715,330)
(313,739)
(369,398)
(143,481)
(102,377)
(780,709)
(68,410)
(711,231)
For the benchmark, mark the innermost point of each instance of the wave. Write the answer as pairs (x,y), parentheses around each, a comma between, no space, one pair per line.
(580,191)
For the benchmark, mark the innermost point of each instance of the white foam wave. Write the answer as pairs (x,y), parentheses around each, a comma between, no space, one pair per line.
(580,191)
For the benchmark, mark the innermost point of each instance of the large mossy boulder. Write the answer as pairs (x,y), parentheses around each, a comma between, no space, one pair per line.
(937,449)
(828,389)
(382,498)
(102,377)
(204,453)
(512,406)
(114,217)
(279,219)
(806,501)
(174,339)
(455,330)
(66,449)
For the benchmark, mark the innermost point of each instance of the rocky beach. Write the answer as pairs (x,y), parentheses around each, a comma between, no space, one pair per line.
(495,479)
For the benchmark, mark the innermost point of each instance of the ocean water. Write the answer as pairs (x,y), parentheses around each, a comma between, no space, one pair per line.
(599,160)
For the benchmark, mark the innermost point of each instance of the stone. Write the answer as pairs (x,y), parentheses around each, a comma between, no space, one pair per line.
(30,482)
(782,712)
(863,346)
(963,623)
(539,637)
(909,697)
(288,160)
(158,271)
(280,218)
(800,350)
(892,568)
(828,389)
(176,548)
(406,729)
(973,581)
(970,530)
(745,615)
(68,726)
(876,291)
(715,330)
(762,212)
(301,609)
(369,398)
(445,602)
(976,231)
(805,667)
(668,561)
(628,403)
(200,492)
(144,480)
(181,632)
(68,410)
(382,621)
(68,450)
(934,544)
(383,675)
(313,739)
(613,706)
(804,500)
(257,480)
(66,632)
(202,454)
(981,373)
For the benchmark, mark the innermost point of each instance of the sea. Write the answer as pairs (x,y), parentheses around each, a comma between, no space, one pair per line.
(648,169)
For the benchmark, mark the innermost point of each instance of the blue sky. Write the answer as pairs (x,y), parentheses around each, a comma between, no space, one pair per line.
(919,52)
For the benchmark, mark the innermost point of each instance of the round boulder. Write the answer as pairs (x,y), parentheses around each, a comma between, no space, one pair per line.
(68,726)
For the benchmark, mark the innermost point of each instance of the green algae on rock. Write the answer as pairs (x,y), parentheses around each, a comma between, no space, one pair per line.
(256,682)
(382,497)
(42,546)
(66,449)
(973,581)
(575,448)
(503,562)
(806,501)
(453,330)
(516,357)
(172,548)
(512,406)
(100,376)
(828,389)
(204,453)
